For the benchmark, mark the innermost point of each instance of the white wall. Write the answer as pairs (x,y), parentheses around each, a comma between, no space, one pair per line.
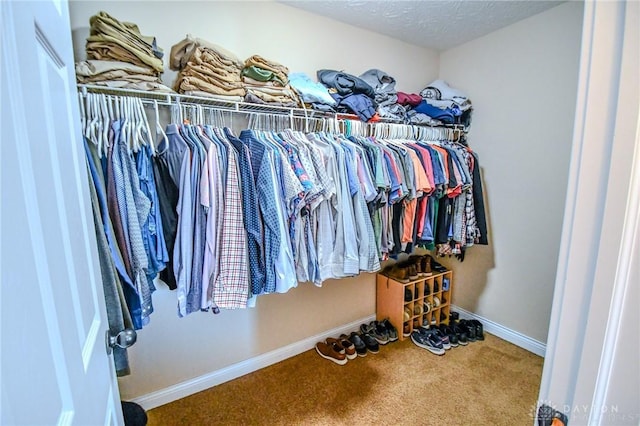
(297,39)
(172,350)
(523,81)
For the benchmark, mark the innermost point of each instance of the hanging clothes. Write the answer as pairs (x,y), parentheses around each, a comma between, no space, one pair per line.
(223,219)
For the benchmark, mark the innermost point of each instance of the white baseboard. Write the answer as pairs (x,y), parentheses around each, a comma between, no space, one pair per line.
(189,387)
(498,330)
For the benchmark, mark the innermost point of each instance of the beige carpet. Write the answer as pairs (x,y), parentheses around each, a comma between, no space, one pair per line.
(485,383)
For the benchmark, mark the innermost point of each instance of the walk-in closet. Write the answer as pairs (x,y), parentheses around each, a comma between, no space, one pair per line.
(226,176)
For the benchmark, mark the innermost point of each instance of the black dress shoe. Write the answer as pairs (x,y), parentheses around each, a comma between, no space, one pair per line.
(479,329)
(471,330)
(461,334)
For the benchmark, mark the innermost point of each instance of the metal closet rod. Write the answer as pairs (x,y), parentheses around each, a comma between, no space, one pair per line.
(172,99)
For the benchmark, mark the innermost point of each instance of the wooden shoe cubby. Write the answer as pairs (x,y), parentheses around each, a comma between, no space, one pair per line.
(390,301)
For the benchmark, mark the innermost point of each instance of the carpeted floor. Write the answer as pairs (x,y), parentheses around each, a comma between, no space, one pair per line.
(485,383)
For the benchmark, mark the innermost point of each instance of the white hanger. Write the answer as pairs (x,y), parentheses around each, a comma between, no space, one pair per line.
(160,131)
(83,118)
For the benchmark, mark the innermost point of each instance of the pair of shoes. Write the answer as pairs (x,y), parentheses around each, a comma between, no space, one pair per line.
(348,348)
(479,328)
(436,286)
(448,331)
(426,339)
(370,342)
(397,272)
(435,266)
(358,343)
(461,333)
(453,317)
(468,328)
(422,263)
(332,352)
(364,343)
(392,332)
(427,307)
(377,331)
(404,271)
(446,342)
(436,301)
(474,329)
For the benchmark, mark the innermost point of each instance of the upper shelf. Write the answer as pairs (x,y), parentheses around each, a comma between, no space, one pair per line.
(241,107)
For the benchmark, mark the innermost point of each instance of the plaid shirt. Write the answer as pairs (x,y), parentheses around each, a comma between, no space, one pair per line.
(232,285)
(251,215)
(263,170)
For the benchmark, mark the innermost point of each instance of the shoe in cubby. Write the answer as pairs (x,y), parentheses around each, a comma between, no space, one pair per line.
(445,284)
(427,288)
(408,294)
(408,312)
(406,329)
(417,309)
(436,302)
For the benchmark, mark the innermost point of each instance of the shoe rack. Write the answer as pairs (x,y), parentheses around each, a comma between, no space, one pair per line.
(433,291)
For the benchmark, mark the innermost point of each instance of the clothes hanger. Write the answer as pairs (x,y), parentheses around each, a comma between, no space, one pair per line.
(106,121)
(138,124)
(83,118)
(92,122)
(159,131)
(99,122)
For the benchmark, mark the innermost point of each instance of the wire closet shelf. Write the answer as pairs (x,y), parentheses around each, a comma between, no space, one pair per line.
(299,114)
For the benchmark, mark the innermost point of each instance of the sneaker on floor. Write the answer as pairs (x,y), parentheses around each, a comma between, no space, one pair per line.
(446,343)
(371,343)
(379,332)
(331,352)
(391,330)
(426,341)
(375,330)
(361,348)
(453,340)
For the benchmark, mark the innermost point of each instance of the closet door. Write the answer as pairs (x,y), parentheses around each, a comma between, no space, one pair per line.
(54,365)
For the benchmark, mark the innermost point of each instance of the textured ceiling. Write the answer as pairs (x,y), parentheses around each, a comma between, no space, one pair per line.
(435,24)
